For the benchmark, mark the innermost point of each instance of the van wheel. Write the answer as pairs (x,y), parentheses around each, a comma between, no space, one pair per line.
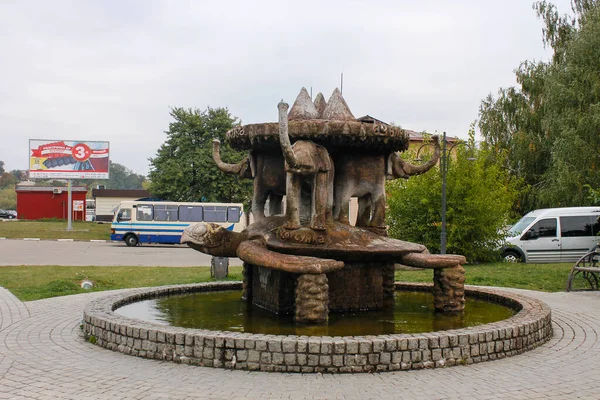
(511,256)
(131,240)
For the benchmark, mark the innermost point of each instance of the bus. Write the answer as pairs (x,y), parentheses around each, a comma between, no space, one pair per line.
(137,222)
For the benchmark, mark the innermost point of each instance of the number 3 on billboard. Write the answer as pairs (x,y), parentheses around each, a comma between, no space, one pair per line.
(81,152)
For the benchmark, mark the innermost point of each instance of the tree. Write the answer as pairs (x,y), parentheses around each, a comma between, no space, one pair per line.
(543,125)
(8,180)
(480,197)
(572,116)
(8,199)
(122,177)
(183,169)
(2,167)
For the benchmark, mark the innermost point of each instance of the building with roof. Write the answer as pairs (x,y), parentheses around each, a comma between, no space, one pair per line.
(37,202)
(107,200)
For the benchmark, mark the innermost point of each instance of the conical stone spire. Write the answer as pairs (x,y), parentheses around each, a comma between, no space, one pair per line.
(337,109)
(320,104)
(303,107)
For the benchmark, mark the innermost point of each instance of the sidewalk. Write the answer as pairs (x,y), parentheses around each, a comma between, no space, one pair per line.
(42,356)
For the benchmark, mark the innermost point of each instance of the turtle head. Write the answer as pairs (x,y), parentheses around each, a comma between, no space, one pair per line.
(210,238)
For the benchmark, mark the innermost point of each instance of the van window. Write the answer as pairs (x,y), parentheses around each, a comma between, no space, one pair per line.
(164,212)
(190,213)
(517,228)
(233,214)
(577,226)
(596,225)
(215,213)
(144,213)
(543,228)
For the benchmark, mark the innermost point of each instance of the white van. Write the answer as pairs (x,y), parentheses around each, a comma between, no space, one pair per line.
(553,235)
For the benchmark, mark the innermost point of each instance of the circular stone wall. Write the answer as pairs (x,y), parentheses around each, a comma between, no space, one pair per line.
(527,329)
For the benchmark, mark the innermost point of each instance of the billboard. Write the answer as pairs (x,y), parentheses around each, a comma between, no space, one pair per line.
(68,159)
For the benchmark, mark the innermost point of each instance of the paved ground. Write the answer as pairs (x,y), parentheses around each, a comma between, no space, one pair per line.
(42,356)
(51,252)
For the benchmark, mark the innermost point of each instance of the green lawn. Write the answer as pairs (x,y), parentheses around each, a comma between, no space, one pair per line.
(39,282)
(542,277)
(54,229)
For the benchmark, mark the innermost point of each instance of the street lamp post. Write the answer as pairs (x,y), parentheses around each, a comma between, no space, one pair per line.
(444,166)
(444,170)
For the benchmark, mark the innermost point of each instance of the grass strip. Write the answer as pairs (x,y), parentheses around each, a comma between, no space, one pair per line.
(54,229)
(40,282)
(541,277)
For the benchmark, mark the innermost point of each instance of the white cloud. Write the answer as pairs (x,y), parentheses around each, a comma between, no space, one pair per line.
(110,70)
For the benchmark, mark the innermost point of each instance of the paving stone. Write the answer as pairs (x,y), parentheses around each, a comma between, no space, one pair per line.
(43,355)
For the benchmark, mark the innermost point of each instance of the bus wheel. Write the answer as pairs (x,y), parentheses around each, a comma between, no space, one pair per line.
(131,240)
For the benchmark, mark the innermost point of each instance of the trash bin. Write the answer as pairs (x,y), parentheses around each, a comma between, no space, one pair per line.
(219,267)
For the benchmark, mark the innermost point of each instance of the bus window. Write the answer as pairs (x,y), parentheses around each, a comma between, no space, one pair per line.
(164,212)
(124,214)
(215,213)
(144,212)
(233,214)
(190,213)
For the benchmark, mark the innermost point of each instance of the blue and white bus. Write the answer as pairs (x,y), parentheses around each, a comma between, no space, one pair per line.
(138,222)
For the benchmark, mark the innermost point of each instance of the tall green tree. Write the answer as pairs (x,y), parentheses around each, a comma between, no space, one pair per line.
(572,116)
(1,167)
(534,123)
(480,198)
(183,169)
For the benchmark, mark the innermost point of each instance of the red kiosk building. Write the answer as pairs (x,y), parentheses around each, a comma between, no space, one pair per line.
(37,202)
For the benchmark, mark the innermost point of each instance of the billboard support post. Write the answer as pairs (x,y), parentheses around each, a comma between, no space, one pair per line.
(70,206)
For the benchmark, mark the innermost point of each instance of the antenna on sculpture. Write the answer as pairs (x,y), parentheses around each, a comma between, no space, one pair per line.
(342,83)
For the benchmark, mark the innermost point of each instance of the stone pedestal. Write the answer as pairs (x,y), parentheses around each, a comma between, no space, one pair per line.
(361,286)
(449,289)
(271,289)
(312,299)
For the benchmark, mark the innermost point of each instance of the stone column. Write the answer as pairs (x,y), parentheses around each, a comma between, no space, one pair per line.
(312,298)
(449,289)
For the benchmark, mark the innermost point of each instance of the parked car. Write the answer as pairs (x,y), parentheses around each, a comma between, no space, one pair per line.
(553,235)
(8,214)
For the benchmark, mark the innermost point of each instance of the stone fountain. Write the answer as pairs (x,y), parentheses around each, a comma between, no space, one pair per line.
(306,260)
(309,261)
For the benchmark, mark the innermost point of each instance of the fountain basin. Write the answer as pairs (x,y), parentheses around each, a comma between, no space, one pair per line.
(527,329)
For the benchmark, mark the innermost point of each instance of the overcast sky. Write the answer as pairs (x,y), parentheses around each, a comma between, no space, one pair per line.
(110,70)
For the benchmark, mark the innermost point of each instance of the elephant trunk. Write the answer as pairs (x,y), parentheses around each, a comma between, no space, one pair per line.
(398,168)
(284,137)
(410,169)
(227,168)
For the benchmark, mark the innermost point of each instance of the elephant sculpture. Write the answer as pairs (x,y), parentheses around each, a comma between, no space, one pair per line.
(267,170)
(363,175)
(306,163)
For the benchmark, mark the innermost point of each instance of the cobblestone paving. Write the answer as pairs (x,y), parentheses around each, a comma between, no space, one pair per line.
(42,356)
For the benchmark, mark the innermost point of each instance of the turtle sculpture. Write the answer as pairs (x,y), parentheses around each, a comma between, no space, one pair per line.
(306,262)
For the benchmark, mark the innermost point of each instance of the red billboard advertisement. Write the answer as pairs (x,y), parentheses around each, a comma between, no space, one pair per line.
(68,159)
